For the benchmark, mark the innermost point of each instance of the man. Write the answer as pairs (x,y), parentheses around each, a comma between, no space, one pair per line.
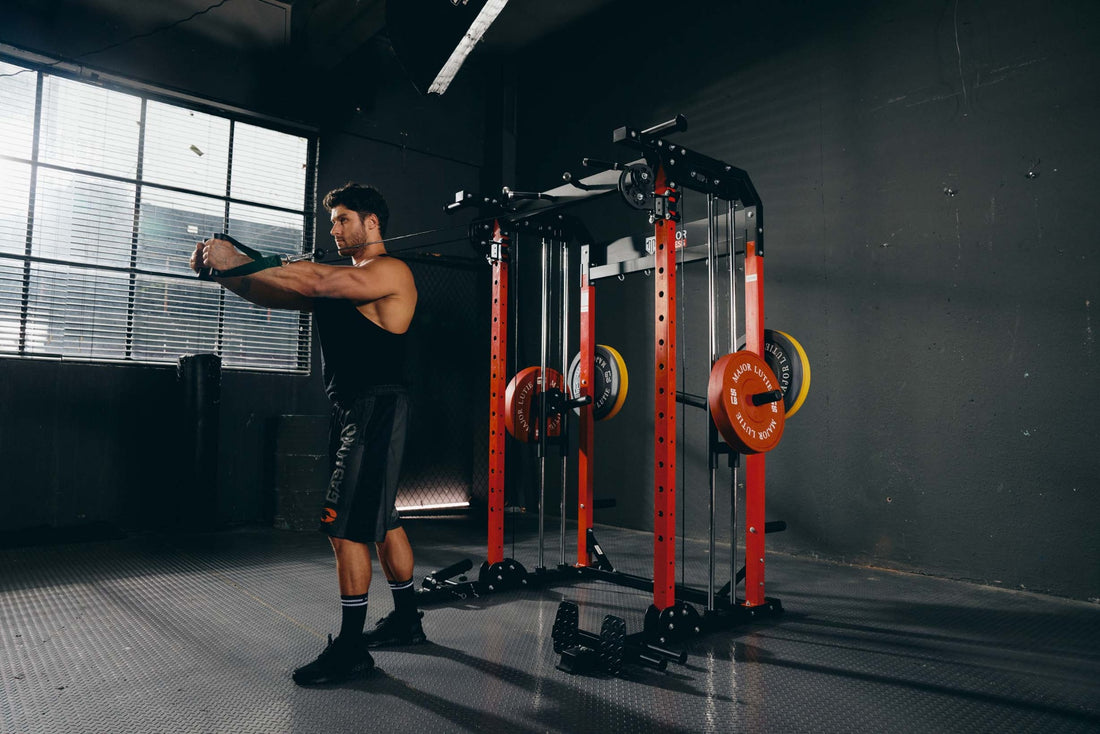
(362,313)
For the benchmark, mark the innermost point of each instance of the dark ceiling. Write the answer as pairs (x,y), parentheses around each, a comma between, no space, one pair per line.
(325,31)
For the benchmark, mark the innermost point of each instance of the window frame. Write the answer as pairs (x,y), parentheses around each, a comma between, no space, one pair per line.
(298,353)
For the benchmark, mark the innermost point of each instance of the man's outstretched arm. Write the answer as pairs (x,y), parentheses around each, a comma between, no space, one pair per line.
(296,284)
(249,287)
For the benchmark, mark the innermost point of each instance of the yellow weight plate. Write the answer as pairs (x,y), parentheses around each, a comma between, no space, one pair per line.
(620,366)
(801,379)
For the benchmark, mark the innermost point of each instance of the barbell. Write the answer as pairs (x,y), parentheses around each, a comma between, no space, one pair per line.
(748,397)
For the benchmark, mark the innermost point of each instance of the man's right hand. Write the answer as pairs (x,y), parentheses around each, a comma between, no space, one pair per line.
(196,258)
(216,255)
(220,255)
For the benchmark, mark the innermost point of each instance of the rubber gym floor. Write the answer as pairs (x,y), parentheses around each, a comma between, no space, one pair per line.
(199,633)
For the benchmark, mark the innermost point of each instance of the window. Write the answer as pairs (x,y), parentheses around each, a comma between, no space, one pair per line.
(105,194)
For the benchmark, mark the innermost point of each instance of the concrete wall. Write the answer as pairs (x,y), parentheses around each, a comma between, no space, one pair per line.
(98,445)
(927,174)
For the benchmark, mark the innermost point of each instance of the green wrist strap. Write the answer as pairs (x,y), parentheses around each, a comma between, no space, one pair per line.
(270,261)
(254,254)
(259,260)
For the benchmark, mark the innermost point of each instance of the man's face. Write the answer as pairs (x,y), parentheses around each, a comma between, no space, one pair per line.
(348,229)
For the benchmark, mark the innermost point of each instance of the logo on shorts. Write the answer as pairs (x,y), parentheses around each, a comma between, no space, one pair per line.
(347,438)
(328,515)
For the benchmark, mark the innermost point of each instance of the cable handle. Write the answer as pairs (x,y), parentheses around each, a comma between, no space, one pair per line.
(254,254)
(259,261)
(207,273)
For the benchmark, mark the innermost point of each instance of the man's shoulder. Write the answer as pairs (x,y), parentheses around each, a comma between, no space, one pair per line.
(398,272)
(388,264)
(393,261)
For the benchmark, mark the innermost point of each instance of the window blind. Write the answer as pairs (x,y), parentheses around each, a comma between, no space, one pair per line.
(106,193)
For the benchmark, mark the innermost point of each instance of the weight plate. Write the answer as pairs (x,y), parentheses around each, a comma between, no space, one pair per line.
(521,404)
(797,386)
(791,367)
(574,382)
(619,372)
(609,382)
(734,380)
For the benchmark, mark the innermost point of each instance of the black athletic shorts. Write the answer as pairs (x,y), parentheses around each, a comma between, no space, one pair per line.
(366,442)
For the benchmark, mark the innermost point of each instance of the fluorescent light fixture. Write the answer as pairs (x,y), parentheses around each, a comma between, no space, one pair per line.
(466,44)
(440,506)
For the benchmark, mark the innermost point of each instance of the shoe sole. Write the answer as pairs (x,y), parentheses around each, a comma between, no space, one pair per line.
(414,640)
(356,672)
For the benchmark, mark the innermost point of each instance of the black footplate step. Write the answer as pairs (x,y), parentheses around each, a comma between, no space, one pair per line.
(607,653)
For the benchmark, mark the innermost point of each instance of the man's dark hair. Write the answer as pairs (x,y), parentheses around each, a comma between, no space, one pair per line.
(362,200)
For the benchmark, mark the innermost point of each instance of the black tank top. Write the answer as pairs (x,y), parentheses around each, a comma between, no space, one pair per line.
(356,353)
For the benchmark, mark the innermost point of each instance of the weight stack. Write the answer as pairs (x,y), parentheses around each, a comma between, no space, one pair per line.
(301,470)
(199,379)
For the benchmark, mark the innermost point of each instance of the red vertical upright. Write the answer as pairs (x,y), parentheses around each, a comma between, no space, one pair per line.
(497,386)
(754,463)
(664,414)
(587,419)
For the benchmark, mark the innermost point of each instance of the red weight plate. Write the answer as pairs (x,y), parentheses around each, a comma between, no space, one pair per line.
(521,404)
(734,380)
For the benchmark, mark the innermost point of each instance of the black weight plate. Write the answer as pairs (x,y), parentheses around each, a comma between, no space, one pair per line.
(609,383)
(788,362)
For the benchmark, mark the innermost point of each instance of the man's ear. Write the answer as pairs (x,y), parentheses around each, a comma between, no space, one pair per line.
(375,218)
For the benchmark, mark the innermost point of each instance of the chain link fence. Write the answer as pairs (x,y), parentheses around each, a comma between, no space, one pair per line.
(444,464)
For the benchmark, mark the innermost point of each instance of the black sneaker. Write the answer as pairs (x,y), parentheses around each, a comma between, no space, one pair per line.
(394,629)
(341,660)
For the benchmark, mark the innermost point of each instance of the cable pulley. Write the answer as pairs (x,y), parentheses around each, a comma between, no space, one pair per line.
(636,186)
